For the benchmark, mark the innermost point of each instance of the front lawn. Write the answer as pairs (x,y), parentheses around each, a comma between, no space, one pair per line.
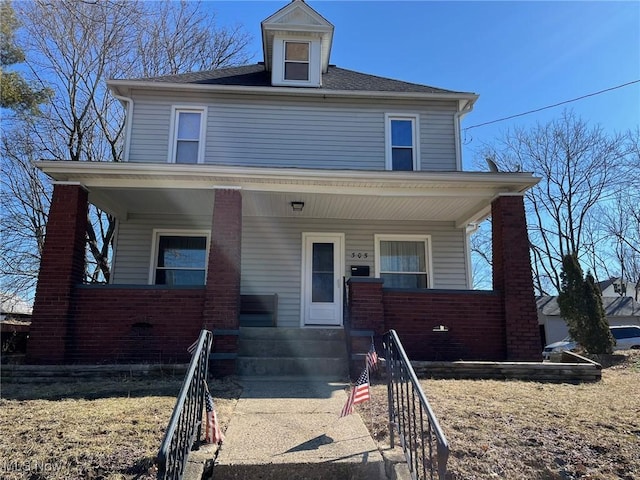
(531,430)
(91,430)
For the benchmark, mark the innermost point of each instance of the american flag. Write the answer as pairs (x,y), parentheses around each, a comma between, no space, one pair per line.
(192,348)
(372,357)
(359,393)
(213,434)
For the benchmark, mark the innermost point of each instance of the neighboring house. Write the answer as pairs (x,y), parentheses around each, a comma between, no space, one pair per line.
(616,286)
(618,310)
(285,178)
(15,320)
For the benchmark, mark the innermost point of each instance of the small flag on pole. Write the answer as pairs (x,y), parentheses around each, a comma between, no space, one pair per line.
(213,434)
(192,348)
(372,357)
(359,393)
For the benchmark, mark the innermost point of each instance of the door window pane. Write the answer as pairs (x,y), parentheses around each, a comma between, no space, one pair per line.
(322,274)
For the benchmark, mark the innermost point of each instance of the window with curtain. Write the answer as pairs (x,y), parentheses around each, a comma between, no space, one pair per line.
(403,263)
(181,260)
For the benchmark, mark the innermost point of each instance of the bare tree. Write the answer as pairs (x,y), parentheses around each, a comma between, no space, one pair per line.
(24,213)
(577,164)
(620,217)
(177,40)
(72,48)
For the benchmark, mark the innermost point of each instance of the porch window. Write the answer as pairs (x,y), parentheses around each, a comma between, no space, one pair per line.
(180,259)
(402,144)
(403,262)
(188,135)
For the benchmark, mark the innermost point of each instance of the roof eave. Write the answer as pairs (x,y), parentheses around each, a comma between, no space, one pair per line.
(67,170)
(124,88)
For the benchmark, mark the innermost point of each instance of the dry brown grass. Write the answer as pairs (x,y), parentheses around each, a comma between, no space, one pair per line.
(497,430)
(530,430)
(91,430)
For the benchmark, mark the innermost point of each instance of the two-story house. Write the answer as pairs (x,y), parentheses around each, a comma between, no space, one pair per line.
(339,192)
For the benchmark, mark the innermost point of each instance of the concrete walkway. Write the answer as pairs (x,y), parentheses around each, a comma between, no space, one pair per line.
(290,428)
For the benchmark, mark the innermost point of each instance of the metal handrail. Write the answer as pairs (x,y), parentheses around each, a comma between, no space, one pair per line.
(185,426)
(411,415)
(346,317)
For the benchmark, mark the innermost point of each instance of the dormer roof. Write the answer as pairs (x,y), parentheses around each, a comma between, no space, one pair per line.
(300,20)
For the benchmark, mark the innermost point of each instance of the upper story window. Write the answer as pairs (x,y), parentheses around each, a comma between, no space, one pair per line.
(187,142)
(402,261)
(180,258)
(402,142)
(296,61)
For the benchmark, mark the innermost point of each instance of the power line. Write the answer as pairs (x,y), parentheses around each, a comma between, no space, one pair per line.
(552,106)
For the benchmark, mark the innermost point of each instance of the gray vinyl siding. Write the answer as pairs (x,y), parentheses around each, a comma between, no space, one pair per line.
(132,256)
(249,130)
(272,252)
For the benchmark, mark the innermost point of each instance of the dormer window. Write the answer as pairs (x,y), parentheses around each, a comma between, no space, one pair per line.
(296,61)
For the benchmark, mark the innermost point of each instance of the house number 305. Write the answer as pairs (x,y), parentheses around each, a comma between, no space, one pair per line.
(359,255)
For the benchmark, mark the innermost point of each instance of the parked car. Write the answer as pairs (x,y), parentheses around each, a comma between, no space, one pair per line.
(626,336)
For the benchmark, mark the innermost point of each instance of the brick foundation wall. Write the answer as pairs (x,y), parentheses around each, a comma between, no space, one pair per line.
(122,325)
(474,320)
(61,268)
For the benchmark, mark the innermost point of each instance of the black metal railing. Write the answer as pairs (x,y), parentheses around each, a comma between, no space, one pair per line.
(346,316)
(185,426)
(411,416)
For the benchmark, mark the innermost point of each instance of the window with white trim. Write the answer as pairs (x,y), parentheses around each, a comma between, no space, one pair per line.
(188,133)
(179,258)
(403,261)
(296,61)
(401,142)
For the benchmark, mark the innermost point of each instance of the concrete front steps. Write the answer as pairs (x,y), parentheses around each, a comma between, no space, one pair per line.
(291,429)
(296,352)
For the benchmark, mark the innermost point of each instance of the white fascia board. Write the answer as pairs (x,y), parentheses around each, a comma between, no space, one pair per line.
(124,87)
(277,179)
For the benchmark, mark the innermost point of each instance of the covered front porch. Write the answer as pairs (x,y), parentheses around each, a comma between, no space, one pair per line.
(261,227)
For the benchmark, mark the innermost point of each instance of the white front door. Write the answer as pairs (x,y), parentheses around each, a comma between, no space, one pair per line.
(322,271)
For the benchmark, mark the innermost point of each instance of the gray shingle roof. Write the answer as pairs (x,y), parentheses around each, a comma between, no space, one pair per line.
(335,79)
(613,306)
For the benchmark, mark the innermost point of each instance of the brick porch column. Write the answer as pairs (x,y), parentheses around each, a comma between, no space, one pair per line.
(366,311)
(222,301)
(512,277)
(366,314)
(61,268)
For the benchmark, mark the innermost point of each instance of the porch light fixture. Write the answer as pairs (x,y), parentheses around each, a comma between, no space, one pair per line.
(297,206)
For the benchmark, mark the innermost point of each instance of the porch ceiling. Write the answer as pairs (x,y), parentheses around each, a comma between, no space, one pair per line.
(124,189)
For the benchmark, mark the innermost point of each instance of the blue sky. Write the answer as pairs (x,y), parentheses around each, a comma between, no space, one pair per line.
(518,56)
